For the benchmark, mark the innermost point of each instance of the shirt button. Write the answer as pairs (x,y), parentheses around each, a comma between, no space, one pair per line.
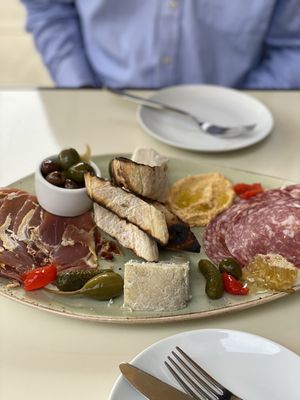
(172,4)
(166,60)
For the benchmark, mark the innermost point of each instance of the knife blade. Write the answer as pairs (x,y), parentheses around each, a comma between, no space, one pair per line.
(151,387)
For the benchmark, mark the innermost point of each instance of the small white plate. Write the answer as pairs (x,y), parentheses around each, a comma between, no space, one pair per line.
(216,104)
(250,366)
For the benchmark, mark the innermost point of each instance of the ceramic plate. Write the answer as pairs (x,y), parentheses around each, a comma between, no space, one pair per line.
(250,366)
(199,306)
(216,104)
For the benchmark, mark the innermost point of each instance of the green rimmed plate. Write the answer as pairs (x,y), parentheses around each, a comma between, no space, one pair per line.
(200,305)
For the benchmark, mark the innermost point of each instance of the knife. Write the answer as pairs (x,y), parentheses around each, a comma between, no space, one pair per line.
(151,387)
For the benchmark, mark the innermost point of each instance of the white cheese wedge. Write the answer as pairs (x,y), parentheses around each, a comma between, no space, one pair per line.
(148,156)
(162,286)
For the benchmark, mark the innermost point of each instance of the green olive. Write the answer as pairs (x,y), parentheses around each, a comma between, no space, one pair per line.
(104,286)
(231,266)
(77,171)
(214,283)
(68,157)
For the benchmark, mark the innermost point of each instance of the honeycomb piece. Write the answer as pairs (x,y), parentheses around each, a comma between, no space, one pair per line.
(270,271)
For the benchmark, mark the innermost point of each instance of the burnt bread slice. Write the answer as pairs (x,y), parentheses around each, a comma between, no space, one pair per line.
(180,235)
(127,205)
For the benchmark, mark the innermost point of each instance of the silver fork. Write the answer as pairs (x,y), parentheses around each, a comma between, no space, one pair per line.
(208,127)
(195,380)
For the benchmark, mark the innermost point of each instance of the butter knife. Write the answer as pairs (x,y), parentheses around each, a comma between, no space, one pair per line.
(151,387)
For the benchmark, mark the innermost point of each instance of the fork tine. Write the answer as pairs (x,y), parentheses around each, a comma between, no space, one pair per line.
(210,388)
(209,378)
(185,387)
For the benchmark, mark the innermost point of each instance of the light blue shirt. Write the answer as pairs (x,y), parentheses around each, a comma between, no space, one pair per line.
(156,43)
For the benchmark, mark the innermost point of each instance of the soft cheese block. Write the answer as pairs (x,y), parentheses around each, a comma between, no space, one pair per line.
(162,286)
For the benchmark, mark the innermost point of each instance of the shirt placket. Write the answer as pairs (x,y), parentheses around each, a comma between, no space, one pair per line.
(168,42)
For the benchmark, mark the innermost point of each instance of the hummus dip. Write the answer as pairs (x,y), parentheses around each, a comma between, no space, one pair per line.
(199,198)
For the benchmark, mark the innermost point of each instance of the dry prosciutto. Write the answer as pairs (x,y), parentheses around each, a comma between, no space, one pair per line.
(266,223)
(31,237)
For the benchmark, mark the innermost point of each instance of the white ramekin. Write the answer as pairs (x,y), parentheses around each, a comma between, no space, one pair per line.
(61,201)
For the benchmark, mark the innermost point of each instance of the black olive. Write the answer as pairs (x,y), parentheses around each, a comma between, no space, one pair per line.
(56,178)
(50,165)
(70,184)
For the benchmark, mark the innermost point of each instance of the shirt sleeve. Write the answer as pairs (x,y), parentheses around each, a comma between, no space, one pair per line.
(280,63)
(56,30)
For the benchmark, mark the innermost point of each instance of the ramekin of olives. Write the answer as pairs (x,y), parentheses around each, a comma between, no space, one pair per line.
(59,183)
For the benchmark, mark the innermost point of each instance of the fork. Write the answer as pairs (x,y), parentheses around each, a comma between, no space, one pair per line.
(195,380)
(205,126)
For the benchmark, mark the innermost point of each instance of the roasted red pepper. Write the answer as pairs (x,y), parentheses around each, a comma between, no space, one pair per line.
(233,286)
(39,277)
(245,190)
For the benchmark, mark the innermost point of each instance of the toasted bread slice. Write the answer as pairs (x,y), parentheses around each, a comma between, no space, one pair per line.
(127,205)
(127,234)
(143,180)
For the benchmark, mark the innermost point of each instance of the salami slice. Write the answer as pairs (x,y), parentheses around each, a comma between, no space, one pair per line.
(266,223)
(216,232)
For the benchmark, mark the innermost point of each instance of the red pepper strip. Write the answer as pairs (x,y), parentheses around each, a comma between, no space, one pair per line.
(39,277)
(233,286)
(245,190)
(241,188)
(250,193)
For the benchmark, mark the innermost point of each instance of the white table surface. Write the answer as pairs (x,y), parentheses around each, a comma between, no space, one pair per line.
(46,356)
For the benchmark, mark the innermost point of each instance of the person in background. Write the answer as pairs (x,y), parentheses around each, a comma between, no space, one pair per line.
(157,43)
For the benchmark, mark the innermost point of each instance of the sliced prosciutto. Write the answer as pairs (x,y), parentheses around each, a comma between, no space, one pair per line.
(266,223)
(69,241)
(31,237)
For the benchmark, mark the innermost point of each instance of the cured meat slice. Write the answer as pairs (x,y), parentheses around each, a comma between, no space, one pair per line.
(266,223)
(215,233)
(294,190)
(5,191)
(68,240)
(13,273)
(272,229)
(30,236)
(53,227)
(23,218)
(11,204)
(17,260)
(13,252)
